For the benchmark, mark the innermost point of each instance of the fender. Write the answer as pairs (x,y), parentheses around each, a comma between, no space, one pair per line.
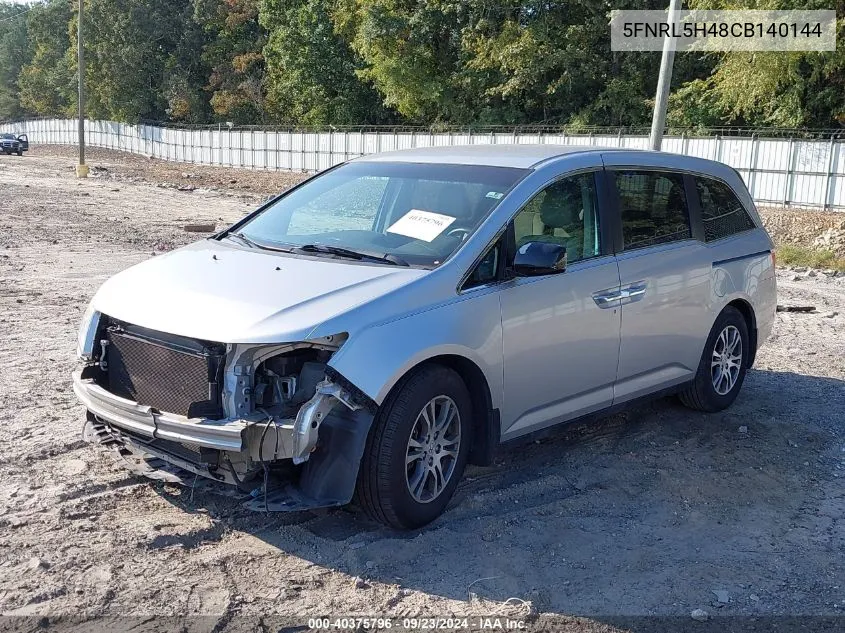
(751,280)
(470,326)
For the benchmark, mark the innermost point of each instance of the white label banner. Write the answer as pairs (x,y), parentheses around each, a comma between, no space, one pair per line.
(744,30)
(421,225)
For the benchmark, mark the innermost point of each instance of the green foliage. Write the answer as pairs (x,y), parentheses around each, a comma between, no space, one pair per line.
(813,258)
(14,53)
(498,61)
(46,82)
(428,62)
(412,54)
(311,70)
(234,54)
(142,62)
(778,89)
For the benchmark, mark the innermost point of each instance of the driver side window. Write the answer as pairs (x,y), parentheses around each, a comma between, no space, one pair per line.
(566,213)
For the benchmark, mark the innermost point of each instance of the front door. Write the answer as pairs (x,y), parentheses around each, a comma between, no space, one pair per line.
(560,332)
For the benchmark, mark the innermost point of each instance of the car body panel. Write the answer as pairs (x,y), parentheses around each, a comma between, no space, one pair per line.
(469,326)
(505,155)
(220,292)
(560,347)
(743,269)
(664,330)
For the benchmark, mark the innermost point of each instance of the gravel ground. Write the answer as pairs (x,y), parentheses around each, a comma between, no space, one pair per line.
(657,511)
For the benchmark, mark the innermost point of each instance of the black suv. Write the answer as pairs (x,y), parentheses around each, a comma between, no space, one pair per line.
(11,144)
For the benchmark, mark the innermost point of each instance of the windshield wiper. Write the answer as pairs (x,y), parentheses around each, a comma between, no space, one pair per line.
(246,241)
(350,254)
(242,239)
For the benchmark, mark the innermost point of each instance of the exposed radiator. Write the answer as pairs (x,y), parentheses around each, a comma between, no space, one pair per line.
(171,374)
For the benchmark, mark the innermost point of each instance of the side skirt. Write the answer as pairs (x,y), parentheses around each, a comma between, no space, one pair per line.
(554,429)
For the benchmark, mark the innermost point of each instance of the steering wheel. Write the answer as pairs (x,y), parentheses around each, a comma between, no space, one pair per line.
(461,231)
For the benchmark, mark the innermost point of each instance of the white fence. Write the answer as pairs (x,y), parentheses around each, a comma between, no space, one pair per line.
(778,171)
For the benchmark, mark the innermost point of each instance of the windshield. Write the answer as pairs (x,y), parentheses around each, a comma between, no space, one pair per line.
(410,212)
(12,136)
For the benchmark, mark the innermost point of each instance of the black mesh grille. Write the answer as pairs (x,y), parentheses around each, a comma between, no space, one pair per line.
(181,377)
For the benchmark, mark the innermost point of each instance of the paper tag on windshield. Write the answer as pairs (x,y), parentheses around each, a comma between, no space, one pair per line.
(421,225)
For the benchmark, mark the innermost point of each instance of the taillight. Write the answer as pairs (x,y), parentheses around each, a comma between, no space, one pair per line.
(774,259)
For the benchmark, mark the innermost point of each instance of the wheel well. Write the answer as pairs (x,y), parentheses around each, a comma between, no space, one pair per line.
(485,422)
(751,321)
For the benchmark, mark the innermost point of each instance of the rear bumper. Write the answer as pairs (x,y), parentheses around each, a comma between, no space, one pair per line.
(223,435)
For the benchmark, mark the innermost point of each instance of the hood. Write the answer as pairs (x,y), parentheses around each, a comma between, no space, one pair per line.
(219,292)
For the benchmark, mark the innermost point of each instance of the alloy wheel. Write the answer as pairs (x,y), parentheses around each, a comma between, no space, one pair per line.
(726,361)
(433,449)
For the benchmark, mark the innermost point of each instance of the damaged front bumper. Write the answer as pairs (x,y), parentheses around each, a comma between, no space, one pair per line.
(323,445)
(222,435)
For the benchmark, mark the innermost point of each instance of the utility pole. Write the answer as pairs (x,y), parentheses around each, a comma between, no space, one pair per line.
(81,168)
(661,99)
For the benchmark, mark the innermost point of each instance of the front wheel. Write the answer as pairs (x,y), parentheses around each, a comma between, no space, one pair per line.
(723,364)
(417,449)
(20,152)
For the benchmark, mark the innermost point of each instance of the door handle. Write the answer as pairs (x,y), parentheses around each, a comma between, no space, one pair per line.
(607,298)
(634,292)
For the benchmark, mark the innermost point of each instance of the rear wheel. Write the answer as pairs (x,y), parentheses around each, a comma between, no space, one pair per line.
(723,364)
(417,449)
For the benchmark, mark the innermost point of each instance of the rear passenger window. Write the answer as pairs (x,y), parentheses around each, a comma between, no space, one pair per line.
(653,206)
(721,212)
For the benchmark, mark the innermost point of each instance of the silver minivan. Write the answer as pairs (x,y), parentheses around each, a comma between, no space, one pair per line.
(372,330)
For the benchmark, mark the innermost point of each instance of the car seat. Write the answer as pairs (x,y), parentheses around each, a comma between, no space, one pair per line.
(560,218)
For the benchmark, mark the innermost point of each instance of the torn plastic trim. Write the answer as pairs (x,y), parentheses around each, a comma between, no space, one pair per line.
(306,428)
(357,394)
(145,459)
(328,478)
(87,335)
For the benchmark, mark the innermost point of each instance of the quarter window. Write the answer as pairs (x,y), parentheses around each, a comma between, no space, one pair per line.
(653,207)
(487,270)
(566,213)
(721,212)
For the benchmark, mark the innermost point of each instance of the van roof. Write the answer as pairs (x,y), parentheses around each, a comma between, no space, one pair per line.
(495,155)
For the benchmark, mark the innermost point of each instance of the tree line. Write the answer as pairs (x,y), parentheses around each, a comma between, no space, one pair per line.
(382,62)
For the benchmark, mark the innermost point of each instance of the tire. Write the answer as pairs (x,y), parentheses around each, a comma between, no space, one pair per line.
(20,152)
(384,486)
(702,394)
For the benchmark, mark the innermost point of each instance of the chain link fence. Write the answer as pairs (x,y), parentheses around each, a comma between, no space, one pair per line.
(802,171)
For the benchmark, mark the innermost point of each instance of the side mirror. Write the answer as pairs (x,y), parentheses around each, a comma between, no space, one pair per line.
(539,258)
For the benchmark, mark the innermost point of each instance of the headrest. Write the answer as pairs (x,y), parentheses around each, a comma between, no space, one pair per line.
(561,205)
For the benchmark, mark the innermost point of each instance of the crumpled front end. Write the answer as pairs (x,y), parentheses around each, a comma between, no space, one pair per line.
(274,421)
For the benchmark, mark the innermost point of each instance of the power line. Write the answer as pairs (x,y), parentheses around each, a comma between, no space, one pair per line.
(12,17)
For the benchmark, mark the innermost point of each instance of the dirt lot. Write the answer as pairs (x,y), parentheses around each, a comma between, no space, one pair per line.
(654,512)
